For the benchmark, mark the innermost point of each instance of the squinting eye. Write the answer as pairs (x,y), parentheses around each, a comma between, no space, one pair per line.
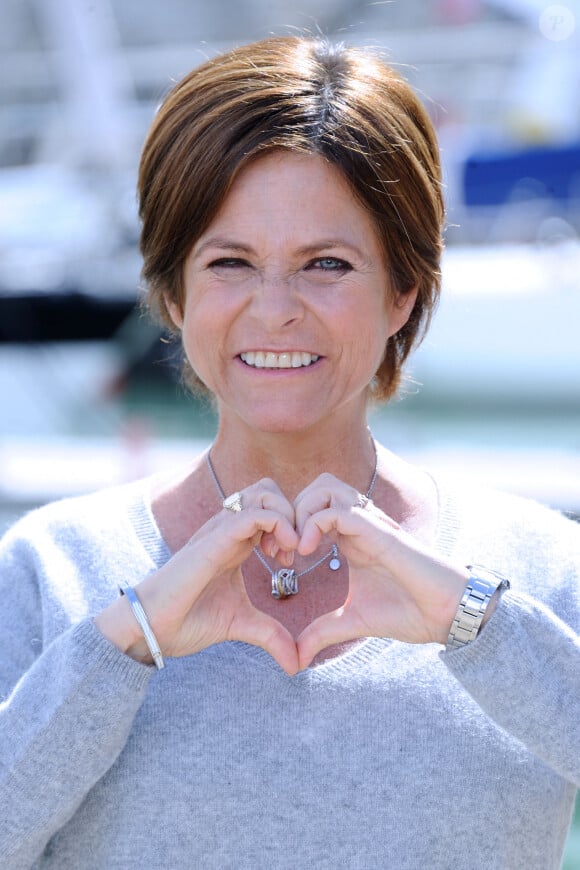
(227,263)
(330,264)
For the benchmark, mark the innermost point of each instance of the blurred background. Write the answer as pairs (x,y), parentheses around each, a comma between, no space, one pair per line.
(90,391)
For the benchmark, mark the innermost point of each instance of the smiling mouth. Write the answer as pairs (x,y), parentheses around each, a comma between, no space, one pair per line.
(260,359)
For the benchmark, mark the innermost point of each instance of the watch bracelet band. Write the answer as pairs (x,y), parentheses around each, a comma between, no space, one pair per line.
(478,593)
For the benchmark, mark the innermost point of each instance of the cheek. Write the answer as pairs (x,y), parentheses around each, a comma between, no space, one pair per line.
(367,326)
(363,348)
(204,334)
(196,340)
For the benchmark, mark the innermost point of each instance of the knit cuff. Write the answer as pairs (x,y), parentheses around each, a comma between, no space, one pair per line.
(100,652)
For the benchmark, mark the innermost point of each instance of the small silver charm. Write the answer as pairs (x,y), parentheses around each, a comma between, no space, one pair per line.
(284,583)
(334,563)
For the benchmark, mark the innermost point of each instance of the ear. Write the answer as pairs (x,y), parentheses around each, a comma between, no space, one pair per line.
(400,308)
(174,311)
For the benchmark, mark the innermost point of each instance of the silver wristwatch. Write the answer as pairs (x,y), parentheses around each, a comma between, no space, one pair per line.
(480,588)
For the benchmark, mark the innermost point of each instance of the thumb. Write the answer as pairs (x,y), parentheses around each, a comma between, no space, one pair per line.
(269,634)
(330,628)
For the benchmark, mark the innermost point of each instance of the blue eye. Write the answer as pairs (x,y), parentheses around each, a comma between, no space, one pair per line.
(330,264)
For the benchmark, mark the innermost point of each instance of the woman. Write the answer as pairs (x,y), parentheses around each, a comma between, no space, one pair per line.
(301,670)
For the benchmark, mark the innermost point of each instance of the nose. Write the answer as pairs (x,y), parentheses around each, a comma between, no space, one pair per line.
(276,302)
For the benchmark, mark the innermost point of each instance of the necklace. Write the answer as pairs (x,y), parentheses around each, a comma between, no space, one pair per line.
(285,580)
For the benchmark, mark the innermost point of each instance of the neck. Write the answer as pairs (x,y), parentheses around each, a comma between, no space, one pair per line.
(293,460)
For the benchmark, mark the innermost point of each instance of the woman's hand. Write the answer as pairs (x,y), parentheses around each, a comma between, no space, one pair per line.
(198,598)
(397,587)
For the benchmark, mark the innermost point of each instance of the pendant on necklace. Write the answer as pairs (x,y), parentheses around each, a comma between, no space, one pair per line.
(284,582)
(334,563)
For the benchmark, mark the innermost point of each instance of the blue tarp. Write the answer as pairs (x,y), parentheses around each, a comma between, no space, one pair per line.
(495,179)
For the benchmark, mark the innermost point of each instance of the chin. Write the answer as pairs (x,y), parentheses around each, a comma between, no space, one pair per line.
(283,423)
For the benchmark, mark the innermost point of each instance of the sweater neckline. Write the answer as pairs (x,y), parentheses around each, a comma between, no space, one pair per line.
(363,653)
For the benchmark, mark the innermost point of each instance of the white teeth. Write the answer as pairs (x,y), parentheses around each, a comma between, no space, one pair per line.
(268,360)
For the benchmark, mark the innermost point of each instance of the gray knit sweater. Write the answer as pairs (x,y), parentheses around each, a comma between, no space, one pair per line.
(391,756)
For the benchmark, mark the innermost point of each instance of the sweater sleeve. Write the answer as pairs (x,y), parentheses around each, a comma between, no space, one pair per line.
(66,709)
(524,668)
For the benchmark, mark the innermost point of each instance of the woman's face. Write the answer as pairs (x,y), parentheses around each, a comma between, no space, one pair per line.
(287,305)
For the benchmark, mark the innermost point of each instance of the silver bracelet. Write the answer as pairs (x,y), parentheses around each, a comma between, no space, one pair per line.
(478,593)
(141,618)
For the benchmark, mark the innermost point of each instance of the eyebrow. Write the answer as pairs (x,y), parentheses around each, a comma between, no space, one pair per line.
(225,244)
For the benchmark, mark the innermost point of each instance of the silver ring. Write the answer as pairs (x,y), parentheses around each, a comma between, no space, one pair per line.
(233,502)
(362,501)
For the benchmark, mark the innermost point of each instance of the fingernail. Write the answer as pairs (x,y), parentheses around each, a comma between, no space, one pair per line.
(274,550)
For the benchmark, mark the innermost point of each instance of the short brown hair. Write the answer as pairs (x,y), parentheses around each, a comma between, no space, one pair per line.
(305,95)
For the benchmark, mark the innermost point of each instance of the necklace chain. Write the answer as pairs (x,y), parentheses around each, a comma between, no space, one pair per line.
(332,553)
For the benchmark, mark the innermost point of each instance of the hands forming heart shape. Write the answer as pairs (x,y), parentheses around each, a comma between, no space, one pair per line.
(397,587)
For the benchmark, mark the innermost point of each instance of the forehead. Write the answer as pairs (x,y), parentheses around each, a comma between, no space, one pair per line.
(294,195)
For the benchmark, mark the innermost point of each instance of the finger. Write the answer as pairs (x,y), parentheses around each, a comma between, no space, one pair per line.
(273,501)
(345,522)
(266,494)
(283,557)
(326,491)
(227,539)
(243,526)
(278,544)
(338,626)
(270,547)
(269,634)
(324,522)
